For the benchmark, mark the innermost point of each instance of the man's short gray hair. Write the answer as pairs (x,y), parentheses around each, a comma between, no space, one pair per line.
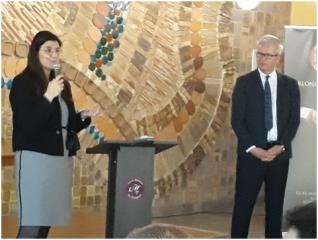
(271,39)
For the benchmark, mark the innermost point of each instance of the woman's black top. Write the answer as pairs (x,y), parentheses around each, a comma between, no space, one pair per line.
(37,122)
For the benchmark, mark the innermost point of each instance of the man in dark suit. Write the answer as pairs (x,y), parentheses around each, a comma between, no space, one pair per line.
(265,118)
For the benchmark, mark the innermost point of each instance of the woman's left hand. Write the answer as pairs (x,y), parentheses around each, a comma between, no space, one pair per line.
(91,113)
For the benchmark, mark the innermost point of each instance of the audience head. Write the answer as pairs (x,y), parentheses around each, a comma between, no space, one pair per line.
(300,221)
(158,230)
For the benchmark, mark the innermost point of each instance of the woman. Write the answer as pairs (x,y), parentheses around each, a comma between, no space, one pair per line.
(43,117)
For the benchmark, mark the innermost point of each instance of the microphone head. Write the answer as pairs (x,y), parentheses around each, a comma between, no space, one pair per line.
(56,68)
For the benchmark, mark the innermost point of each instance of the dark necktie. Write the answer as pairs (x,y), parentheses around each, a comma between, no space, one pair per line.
(268,105)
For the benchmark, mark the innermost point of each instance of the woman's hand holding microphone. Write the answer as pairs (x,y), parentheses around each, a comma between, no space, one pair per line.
(55,87)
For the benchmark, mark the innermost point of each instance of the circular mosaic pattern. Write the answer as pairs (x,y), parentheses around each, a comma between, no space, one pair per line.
(108,23)
(155,72)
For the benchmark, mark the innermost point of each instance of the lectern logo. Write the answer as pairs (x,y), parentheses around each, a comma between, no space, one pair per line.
(135,189)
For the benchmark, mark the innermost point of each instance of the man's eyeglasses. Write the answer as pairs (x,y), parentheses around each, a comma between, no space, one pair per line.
(50,51)
(265,55)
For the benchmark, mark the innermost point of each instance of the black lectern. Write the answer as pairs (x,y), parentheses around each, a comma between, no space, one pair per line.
(130,183)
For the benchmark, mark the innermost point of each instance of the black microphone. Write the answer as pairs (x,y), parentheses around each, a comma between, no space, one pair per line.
(57,69)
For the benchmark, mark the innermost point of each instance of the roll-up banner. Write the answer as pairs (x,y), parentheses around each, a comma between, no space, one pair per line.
(300,62)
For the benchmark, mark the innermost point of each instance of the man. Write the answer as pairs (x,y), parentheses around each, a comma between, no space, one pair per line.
(265,118)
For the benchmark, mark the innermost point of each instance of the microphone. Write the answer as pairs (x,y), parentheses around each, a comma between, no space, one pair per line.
(56,68)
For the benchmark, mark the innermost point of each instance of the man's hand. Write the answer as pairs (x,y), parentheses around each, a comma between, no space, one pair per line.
(276,150)
(312,116)
(262,154)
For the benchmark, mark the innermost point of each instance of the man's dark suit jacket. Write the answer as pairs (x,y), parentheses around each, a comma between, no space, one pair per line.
(248,117)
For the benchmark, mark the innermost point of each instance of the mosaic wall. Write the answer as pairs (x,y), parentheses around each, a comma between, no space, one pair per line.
(164,69)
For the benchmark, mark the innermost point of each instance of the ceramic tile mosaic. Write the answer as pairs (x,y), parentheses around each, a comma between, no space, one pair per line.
(165,69)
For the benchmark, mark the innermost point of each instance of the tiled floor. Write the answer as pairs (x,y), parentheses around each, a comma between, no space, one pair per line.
(89,223)
(215,222)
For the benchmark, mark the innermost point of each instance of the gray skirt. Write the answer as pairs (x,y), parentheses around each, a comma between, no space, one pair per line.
(44,188)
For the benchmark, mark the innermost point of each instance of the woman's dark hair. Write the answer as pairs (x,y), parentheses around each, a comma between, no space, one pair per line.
(39,81)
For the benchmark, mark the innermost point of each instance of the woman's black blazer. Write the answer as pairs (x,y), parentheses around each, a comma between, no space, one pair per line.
(37,122)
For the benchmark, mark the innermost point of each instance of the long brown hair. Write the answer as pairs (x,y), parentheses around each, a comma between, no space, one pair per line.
(39,81)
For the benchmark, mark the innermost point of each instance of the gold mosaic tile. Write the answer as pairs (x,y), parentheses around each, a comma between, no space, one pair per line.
(7,48)
(90,190)
(83,201)
(76,192)
(5,208)
(76,202)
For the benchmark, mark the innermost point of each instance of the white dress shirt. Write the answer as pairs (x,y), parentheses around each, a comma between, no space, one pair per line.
(271,134)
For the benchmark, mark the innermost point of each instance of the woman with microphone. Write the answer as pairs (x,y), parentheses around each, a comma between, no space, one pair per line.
(45,124)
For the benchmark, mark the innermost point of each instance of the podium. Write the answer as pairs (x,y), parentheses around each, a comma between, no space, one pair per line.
(130,183)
